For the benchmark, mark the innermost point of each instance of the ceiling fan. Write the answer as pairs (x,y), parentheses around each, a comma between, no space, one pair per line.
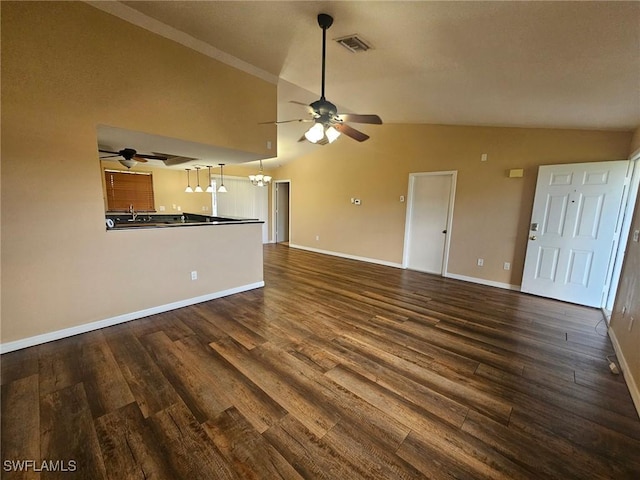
(130,157)
(328,123)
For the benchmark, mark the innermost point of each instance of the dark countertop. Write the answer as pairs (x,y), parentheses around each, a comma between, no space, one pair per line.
(124,221)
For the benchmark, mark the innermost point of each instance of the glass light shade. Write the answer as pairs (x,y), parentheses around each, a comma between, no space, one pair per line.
(332,134)
(198,189)
(128,162)
(315,133)
(267,179)
(252,178)
(209,189)
(222,189)
(188,190)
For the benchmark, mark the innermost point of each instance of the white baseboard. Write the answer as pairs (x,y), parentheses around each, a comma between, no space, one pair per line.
(107,322)
(626,371)
(464,278)
(346,255)
(482,281)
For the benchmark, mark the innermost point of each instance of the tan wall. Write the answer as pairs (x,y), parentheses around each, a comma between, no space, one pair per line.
(635,142)
(627,307)
(66,68)
(492,211)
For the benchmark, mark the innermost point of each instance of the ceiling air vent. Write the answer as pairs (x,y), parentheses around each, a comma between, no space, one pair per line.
(353,43)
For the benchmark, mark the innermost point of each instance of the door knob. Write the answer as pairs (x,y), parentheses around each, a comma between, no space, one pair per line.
(533,237)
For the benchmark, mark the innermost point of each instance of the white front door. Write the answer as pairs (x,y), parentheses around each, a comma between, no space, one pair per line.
(429,215)
(571,235)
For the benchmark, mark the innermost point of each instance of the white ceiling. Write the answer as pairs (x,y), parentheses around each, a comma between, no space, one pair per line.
(529,64)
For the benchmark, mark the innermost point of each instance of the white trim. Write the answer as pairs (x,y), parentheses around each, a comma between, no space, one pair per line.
(139,19)
(407,229)
(346,255)
(626,371)
(482,281)
(107,322)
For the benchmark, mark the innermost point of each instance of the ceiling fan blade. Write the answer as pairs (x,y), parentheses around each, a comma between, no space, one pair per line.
(110,156)
(351,132)
(139,158)
(287,121)
(309,107)
(359,118)
(115,154)
(150,157)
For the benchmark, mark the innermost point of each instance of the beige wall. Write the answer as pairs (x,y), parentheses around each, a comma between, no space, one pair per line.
(627,307)
(492,211)
(635,142)
(66,68)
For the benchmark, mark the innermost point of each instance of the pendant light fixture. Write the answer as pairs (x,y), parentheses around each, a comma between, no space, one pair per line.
(210,186)
(260,180)
(188,189)
(222,188)
(198,187)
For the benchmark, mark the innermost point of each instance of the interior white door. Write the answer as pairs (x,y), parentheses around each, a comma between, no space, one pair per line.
(428,221)
(575,211)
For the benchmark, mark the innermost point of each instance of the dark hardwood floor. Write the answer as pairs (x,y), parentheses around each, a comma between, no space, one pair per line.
(337,369)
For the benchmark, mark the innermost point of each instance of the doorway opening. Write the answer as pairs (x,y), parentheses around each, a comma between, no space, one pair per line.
(282,211)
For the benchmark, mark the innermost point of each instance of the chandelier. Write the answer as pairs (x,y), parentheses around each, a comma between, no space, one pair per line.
(260,180)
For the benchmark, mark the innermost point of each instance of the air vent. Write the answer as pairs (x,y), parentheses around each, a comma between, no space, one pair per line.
(353,43)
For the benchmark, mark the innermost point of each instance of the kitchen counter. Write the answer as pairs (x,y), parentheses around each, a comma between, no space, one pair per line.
(125,221)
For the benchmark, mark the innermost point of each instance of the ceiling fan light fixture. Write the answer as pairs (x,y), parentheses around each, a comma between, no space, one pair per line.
(128,162)
(315,133)
(332,134)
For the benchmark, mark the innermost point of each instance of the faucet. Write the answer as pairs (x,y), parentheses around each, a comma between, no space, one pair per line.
(133,213)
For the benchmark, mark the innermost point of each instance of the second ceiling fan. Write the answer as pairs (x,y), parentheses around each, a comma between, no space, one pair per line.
(328,123)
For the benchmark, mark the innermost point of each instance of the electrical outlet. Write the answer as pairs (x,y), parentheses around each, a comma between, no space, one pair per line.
(194,275)
(162,209)
(507,266)
(483,158)
(317,238)
(481,262)
(401,198)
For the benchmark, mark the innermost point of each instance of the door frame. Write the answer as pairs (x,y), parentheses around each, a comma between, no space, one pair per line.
(626,216)
(407,223)
(274,213)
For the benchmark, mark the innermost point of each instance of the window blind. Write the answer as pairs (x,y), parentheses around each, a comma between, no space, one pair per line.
(129,188)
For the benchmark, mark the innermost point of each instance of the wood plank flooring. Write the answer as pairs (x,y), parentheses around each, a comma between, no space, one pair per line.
(337,369)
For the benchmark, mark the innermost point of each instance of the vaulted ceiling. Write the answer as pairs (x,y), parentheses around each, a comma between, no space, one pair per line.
(528,64)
